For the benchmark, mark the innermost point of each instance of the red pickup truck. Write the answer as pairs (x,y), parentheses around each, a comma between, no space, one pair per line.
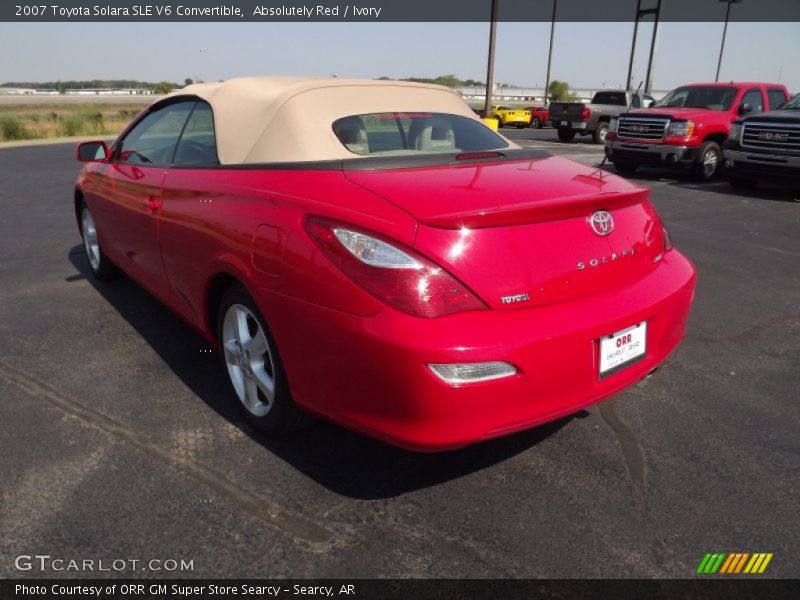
(688,126)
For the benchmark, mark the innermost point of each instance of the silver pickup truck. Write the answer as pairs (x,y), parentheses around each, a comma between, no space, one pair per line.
(571,118)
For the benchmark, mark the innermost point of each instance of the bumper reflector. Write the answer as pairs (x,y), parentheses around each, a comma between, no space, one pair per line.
(456,374)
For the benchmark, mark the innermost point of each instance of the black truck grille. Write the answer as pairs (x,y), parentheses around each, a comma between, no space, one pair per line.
(775,136)
(641,128)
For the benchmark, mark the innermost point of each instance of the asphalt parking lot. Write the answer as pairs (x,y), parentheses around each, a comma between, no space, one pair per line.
(119,439)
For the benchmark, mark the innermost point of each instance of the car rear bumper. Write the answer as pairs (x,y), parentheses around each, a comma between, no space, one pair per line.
(762,166)
(371,374)
(577,125)
(665,155)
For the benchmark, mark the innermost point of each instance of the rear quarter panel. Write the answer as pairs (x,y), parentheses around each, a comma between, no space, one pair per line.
(209,223)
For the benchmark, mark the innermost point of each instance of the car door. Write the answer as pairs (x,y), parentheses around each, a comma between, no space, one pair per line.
(138,165)
(776,97)
(755,99)
(193,213)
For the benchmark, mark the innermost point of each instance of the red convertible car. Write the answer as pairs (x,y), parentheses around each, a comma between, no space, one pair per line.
(370,253)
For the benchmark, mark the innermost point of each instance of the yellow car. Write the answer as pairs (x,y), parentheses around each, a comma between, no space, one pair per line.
(509,115)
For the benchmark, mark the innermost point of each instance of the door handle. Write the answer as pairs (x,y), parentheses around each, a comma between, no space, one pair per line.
(152,205)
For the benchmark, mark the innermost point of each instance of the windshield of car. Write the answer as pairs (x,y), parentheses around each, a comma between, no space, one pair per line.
(387,134)
(711,97)
(793,104)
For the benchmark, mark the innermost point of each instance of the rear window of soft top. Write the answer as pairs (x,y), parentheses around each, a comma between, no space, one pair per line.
(406,133)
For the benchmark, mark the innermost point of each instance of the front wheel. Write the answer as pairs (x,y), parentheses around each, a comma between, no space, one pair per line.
(566,135)
(101,267)
(708,161)
(250,359)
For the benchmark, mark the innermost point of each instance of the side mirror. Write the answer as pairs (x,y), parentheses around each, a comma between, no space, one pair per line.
(91,152)
(744,108)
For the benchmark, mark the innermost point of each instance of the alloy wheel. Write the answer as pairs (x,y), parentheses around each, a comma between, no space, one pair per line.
(248,358)
(90,241)
(710,163)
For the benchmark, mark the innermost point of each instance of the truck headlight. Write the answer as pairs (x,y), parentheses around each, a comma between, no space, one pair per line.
(613,125)
(736,132)
(681,129)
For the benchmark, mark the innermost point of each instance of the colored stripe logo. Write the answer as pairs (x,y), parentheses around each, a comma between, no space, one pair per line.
(729,563)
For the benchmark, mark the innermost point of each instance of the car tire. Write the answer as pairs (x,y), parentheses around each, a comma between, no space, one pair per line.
(566,135)
(742,183)
(102,268)
(253,367)
(599,135)
(499,122)
(536,123)
(625,168)
(708,161)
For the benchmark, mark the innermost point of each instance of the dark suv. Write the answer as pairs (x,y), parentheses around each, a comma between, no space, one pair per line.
(765,147)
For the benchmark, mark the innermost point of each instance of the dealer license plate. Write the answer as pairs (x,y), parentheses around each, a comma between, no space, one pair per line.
(620,349)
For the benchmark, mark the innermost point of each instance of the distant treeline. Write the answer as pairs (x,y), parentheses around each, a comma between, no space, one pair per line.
(447,80)
(93,84)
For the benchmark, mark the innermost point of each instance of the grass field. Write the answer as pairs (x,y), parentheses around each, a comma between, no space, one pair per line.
(25,121)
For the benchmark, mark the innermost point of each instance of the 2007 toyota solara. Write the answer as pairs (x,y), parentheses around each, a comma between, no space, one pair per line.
(369,252)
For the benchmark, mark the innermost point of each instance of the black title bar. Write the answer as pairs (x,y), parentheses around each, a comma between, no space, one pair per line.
(700,588)
(391,10)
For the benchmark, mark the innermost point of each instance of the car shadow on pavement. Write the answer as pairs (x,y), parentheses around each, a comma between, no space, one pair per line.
(342,461)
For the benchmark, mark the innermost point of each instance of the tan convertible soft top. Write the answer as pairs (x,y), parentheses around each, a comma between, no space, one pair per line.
(287,119)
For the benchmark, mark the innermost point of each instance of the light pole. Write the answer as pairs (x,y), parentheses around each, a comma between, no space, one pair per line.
(640,13)
(487,107)
(550,52)
(724,33)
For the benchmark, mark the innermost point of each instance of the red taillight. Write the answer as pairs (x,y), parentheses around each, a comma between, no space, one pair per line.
(586,114)
(395,275)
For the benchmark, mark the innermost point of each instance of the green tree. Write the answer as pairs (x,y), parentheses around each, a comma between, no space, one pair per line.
(188,81)
(162,87)
(559,91)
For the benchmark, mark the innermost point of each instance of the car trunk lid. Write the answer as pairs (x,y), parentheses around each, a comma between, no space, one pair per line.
(518,233)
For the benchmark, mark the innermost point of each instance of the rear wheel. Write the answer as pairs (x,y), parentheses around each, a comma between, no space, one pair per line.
(536,123)
(708,161)
(742,183)
(499,121)
(625,168)
(101,267)
(599,135)
(254,369)
(566,135)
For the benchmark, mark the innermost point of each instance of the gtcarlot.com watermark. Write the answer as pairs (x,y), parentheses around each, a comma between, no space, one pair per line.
(55,564)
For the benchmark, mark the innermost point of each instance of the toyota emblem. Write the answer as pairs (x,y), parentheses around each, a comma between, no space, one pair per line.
(601,222)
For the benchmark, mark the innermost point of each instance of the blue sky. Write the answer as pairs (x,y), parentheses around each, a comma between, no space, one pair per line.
(585,54)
